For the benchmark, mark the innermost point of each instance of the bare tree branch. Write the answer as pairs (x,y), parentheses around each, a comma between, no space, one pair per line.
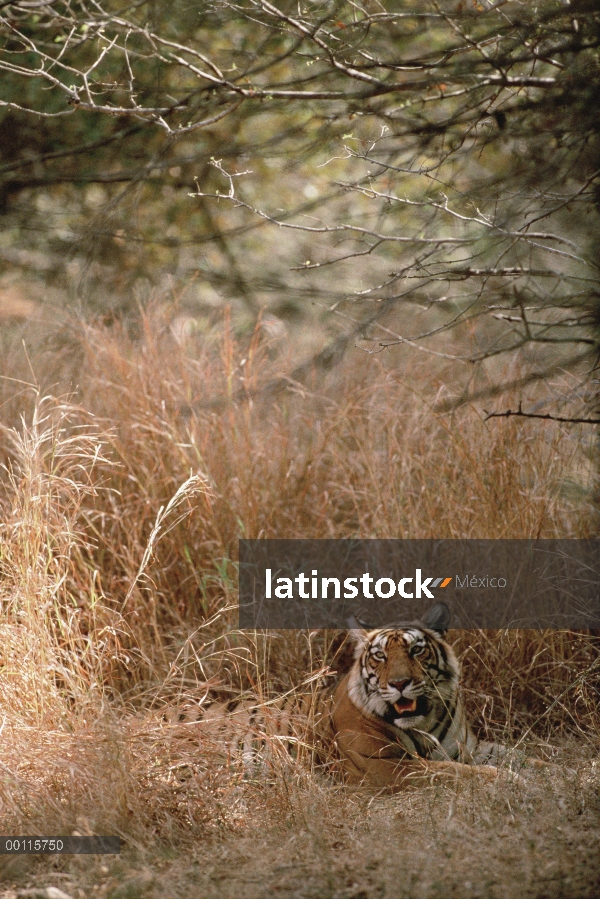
(547,417)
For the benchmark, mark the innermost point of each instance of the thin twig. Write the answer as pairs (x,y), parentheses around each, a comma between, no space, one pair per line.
(519,412)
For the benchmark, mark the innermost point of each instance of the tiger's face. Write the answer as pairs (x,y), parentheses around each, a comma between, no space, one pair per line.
(406,675)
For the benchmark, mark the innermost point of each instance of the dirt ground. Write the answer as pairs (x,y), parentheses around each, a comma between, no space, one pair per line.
(538,839)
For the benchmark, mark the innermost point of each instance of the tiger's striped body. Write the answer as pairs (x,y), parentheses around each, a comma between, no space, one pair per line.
(395,718)
(252,734)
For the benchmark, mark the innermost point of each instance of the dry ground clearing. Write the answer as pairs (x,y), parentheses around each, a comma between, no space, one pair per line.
(118,589)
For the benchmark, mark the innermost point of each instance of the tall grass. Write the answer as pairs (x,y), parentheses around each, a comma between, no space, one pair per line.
(131,465)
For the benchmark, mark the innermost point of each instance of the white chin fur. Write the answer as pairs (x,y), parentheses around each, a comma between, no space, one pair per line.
(409,723)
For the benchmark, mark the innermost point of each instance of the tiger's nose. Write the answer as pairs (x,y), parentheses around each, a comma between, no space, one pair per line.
(399,684)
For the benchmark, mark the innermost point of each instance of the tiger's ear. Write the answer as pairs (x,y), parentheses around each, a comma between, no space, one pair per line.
(357,631)
(438,618)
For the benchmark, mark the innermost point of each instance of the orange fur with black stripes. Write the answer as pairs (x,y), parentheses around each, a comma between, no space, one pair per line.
(397,717)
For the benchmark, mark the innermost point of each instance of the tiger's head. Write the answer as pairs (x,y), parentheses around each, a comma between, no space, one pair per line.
(406,674)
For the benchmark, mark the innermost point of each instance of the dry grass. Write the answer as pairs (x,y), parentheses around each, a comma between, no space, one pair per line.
(127,480)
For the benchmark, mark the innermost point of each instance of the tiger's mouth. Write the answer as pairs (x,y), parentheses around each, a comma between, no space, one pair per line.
(405,706)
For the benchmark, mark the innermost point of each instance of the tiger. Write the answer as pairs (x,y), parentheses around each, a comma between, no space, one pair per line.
(248,732)
(397,716)
(395,719)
